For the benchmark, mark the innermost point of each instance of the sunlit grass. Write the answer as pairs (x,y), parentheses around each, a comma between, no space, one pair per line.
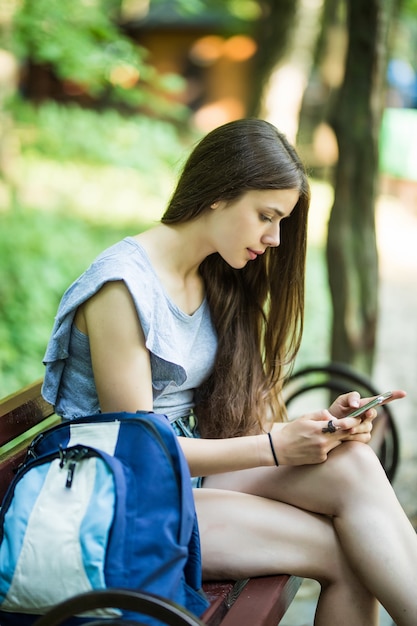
(104,194)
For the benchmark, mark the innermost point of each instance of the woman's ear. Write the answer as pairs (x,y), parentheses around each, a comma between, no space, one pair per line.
(214,205)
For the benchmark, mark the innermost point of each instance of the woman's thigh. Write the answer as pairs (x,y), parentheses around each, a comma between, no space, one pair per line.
(351,469)
(247,535)
(282,519)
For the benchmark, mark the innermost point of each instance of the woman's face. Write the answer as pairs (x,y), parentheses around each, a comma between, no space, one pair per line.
(243,229)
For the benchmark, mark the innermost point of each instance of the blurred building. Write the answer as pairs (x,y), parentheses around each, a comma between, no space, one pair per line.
(210,49)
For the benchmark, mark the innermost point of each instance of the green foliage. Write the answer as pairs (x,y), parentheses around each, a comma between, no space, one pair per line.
(409,7)
(41,253)
(74,36)
(81,41)
(94,178)
(72,133)
(245,10)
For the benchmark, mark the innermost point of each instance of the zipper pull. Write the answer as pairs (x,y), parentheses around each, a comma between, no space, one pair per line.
(61,456)
(70,474)
(72,457)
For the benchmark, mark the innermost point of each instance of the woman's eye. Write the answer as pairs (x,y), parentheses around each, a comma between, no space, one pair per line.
(265,218)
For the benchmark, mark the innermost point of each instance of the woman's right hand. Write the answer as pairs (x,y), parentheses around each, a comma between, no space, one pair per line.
(303,442)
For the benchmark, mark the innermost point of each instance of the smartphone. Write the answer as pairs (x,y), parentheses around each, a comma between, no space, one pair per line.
(369,405)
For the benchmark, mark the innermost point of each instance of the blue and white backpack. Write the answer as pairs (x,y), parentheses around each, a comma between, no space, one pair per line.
(102,501)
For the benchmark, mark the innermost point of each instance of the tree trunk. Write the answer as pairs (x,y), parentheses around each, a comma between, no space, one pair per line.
(351,246)
(273,34)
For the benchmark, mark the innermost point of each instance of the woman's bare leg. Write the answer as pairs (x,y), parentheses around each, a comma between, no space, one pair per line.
(243,535)
(372,530)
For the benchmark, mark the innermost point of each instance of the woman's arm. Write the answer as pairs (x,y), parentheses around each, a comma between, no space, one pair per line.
(120,360)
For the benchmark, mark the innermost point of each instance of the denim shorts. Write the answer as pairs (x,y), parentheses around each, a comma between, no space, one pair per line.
(187,427)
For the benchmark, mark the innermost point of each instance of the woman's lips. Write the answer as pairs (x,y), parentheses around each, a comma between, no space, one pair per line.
(254,253)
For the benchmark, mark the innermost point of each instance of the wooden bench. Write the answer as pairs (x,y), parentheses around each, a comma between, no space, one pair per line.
(258,601)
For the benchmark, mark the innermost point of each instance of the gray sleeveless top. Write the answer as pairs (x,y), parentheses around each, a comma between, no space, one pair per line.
(182,347)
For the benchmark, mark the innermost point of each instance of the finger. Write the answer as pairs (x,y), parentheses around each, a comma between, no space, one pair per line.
(397,394)
(362,430)
(353,400)
(369,415)
(345,423)
(351,424)
(345,403)
(361,437)
(330,426)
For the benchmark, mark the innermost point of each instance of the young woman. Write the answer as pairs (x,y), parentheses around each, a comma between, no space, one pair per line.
(200,318)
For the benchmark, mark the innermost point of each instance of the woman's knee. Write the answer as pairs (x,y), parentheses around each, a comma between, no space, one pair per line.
(353,458)
(354,467)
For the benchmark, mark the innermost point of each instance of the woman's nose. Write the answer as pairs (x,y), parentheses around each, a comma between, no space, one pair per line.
(272,236)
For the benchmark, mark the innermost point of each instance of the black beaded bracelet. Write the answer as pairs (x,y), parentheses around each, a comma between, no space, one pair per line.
(272,449)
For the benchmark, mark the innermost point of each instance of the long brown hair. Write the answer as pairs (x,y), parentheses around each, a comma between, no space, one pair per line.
(258,310)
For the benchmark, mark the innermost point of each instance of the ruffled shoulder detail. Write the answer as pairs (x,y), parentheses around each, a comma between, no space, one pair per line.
(126,261)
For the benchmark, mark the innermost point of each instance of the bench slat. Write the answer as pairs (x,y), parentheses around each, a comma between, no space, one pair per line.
(21,411)
(8,470)
(263,600)
(221,595)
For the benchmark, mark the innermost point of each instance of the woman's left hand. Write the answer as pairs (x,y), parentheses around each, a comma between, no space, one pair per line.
(357,428)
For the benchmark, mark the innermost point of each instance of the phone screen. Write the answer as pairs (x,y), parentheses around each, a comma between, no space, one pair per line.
(369,405)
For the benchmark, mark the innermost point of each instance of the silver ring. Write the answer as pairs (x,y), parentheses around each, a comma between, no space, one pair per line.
(330,428)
